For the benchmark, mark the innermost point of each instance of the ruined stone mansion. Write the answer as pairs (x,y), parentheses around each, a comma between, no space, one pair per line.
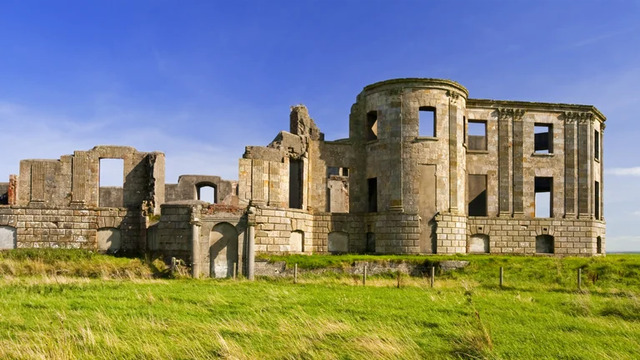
(425,170)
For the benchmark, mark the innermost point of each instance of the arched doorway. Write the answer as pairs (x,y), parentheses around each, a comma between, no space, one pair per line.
(223,250)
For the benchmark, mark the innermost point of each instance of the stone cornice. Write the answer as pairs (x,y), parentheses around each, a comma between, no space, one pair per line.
(443,84)
(509,113)
(535,106)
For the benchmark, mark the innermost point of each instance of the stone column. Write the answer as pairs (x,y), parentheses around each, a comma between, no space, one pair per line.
(453,152)
(518,157)
(602,126)
(570,165)
(195,241)
(258,182)
(78,180)
(251,252)
(37,182)
(505,157)
(585,159)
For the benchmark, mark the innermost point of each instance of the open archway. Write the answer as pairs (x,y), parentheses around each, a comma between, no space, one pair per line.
(223,251)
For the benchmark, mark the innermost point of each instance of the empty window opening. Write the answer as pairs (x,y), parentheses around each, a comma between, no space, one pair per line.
(599,245)
(596,145)
(370,246)
(478,244)
(543,138)
(295,183)
(596,200)
(372,186)
(337,190)
(207,193)
(543,197)
(427,121)
(544,244)
(372,125)
(477,195)
(111,183)
(477,134)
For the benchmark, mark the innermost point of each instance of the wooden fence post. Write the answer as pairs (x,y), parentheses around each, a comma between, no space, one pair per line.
(295,273)
(364,276)
(501,276)
(433,275)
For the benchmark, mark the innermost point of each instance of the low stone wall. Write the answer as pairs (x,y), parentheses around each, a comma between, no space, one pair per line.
(571,237)
(279,268)
(451,233)
(68,228)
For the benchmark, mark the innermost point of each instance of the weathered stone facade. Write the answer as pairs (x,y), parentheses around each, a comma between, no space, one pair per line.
(425,170)
(413,178)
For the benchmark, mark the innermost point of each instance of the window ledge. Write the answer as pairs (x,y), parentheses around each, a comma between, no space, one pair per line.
(477,151)
(425,138)
(596,159)
(542,155)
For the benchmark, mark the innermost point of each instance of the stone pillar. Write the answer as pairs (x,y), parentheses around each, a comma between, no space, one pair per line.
(453,152)
(518,156)
(195,241)
(505,158)
(570,165)
(585,159)
(602,126)
(78,180)
(12,192)
(251,251)
(257,182)
(37,182)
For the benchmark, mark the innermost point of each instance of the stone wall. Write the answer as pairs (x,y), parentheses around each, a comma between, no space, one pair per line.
(518,236)
(70,228)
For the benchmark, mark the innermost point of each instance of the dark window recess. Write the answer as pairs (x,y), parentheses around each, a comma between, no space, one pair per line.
(372,186)
(544,244)
(543,138)
(599,245)
(543,197)
(337,171)
(477,131)
(596,200)
(596,145)
(427,121)
(372,125)
(371,243)
(295,183)
(477,193)
(333,171)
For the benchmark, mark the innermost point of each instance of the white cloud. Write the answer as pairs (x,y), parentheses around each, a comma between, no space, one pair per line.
(630,171)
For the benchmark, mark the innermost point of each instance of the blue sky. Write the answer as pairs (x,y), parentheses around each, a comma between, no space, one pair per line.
(199,80)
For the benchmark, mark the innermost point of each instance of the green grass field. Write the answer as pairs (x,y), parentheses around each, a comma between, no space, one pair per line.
(60,305)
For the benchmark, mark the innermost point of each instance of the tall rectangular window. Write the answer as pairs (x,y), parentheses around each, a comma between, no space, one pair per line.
(372,186)
(543,138)
(477,135)
(596,145)
(596,200)
(372,125)
(295,183)
(543,197)
(427,121)
(477,195)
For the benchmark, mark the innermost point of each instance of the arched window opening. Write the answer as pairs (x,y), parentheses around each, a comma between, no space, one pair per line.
(207,193)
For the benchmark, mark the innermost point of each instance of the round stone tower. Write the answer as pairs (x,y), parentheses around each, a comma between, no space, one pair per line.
(408,135)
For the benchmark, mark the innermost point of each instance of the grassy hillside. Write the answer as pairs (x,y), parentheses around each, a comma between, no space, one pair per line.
(539,315)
